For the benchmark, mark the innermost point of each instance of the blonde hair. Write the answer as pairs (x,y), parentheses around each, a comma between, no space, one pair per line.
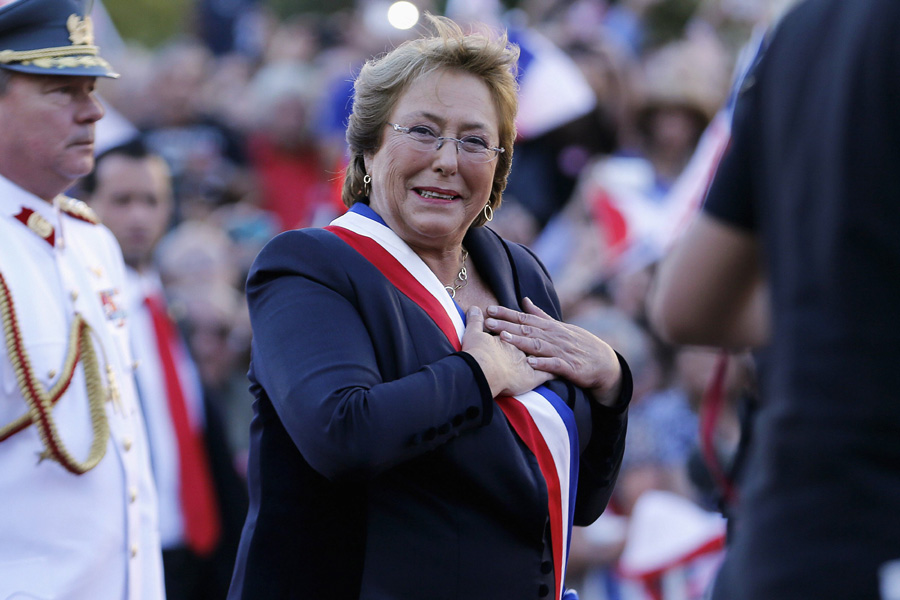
(382,81)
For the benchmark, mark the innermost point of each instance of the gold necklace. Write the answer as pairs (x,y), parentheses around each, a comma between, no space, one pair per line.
(462,278)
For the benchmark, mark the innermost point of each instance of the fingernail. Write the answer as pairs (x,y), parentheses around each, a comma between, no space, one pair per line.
(492,310)
(474,310)
(490,322)
(505,335)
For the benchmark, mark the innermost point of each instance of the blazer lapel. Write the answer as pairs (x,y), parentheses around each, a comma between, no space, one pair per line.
(490,256)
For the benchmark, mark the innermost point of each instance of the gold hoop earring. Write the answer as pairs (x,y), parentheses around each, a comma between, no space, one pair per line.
(366,181)
(488,212)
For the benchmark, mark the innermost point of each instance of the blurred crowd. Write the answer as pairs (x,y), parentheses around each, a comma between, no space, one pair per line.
(624,113)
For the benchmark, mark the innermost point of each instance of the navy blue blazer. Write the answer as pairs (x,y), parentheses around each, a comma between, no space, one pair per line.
(379,468)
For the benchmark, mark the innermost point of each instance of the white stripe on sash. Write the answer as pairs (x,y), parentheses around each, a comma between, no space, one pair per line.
(556,435)
(391,242)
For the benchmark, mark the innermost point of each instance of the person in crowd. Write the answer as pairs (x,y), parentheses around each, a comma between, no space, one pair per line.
(202,500)
(216,326)
(296,181)
(206,155)
(626,208)
(202,267)
(796,252)
(662,440)
(197,253)
(420,409)
(79,516)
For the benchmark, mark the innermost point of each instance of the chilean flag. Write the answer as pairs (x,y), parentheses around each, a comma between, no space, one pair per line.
(552,89)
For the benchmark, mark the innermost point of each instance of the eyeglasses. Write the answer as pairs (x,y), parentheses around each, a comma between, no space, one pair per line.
(471,148)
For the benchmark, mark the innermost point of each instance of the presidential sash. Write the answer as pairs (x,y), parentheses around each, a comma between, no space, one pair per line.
(540,418)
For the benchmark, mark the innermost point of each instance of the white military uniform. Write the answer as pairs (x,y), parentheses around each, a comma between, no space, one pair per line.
(92,536)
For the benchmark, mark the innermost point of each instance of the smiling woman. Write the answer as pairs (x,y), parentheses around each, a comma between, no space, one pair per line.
(430,194)
(402,441)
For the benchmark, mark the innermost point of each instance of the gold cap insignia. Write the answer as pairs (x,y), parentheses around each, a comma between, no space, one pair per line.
(81,30)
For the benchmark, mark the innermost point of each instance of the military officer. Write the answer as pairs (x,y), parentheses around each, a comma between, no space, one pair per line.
(79,510)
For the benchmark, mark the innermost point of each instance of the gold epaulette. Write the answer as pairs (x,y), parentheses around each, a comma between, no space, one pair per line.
(78,209)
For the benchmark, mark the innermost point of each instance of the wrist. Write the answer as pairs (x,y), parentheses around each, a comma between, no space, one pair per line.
(486,365)
(607,396)
(618,395)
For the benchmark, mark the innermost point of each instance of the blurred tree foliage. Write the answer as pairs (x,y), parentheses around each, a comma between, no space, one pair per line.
(153,22)
(666,20)
(150,22)
(287,8)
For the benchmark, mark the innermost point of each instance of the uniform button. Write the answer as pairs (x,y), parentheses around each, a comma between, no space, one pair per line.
(126,443)
(543,590)
(546,567)
(134,550)
(132,494)
(444,429)
(473,412)
(458,420)
(430,434)
(51,374)
(135,365)
(73,295)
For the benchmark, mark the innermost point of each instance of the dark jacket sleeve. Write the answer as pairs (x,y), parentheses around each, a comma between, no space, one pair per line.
(602,457)
(321,351)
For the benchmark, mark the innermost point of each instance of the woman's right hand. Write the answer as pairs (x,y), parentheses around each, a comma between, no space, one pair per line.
(505,367)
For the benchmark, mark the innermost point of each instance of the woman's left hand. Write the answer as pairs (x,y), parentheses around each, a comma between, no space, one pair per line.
(564,350)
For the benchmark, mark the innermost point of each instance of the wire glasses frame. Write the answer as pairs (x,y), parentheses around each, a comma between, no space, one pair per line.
(471,147)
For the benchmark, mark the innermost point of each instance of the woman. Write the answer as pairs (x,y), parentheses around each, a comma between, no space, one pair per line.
(389,459)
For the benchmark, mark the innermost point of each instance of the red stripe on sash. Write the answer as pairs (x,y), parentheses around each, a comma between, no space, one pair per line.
(401,278)
(524,425)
